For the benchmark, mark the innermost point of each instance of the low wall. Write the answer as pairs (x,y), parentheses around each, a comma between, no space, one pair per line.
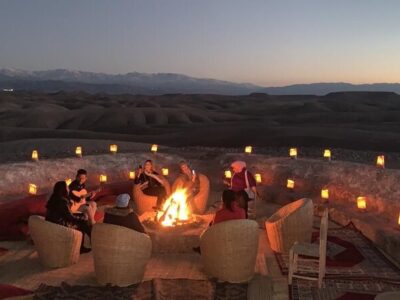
(15,177)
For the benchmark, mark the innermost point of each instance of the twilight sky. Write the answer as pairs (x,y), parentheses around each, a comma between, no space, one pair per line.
(270,43)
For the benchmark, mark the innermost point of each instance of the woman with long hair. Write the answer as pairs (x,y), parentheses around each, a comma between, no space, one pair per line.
(150,182)
(230,210)
(59,212)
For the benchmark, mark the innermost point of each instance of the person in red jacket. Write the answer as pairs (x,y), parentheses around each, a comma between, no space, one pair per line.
(243,183)
(230,210)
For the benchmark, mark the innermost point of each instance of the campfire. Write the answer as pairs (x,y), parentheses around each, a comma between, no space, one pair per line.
(175,211)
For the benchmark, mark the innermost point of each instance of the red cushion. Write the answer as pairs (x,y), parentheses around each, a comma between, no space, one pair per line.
(7,291)
(14,215)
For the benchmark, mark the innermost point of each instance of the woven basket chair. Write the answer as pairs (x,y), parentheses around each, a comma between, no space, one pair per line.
(57,246)
(199,202)
(291,223)
(144,202)
(120,254)
(229,250)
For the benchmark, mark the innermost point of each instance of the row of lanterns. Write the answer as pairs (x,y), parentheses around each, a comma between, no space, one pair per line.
(79,151)
(327,154)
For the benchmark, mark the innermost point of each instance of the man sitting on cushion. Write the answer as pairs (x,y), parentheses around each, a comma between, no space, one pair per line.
(122,215)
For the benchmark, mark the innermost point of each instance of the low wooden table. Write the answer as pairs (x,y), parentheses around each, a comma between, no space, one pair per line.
(178,239)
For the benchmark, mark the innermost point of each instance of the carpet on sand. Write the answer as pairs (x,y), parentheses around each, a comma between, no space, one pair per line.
(355,269)
(156,289)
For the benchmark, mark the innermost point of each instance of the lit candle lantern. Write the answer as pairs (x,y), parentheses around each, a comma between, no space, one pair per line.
(258,178)
(290,184)
(68,181)
(165,171)
(362,202)
(132,175)
(380,161)
(154,148)
(35,155)
(327,154)
(32,189)
(228,174)
(103,178)
(248,149)
(78,151)
(113,148)
(325,194)
(293,152)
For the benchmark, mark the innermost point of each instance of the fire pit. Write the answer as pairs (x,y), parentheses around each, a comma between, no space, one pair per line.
(174,228)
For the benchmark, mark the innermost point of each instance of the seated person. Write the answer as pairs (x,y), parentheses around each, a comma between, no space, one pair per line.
(230,210)
(79,195)
(59,212)
(151,183)
(122,215)
(243,183)
(187,180)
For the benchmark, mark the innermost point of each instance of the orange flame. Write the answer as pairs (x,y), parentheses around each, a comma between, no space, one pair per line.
(175,209)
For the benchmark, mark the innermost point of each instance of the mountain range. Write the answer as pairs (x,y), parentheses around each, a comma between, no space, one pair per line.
(162,83)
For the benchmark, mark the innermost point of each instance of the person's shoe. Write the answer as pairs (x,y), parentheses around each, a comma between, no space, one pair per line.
(85,250)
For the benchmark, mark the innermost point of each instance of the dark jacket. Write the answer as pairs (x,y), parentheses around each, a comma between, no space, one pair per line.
(59,212)
(125,217)
(152,182)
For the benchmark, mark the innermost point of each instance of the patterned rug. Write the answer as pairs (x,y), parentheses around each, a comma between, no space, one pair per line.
(352,256)
(355,269)
(156,289)
(340,289)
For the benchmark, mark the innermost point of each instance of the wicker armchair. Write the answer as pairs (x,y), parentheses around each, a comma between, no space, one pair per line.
(120,254)
(229,250)
(57,246)
(291,223)
(199,201)
(144,202)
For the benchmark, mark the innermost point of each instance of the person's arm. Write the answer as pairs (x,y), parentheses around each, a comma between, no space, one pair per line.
(69,217)
(252,183)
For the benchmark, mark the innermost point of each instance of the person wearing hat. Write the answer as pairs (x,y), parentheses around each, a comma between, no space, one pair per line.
(122,215)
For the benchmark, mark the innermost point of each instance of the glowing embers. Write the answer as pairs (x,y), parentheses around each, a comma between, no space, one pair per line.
(175,210)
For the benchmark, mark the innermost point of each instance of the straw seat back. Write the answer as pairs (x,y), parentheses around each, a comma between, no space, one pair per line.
(229,250)
(291,223)
(57,246)
(120,254)
(145,202)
